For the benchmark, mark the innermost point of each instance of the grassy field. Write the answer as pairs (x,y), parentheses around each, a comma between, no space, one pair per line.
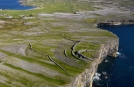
(27,44)
(37,51)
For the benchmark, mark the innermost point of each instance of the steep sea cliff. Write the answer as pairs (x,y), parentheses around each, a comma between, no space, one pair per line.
(115,22)
(119,71)
(85,79)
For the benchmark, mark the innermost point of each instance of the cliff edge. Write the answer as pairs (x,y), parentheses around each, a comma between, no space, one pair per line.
(85,79)
(58,45)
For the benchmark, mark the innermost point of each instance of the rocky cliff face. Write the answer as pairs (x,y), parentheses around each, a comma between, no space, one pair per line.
(85,79)
(116,22)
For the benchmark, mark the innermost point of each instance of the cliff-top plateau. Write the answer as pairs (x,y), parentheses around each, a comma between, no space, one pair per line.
(58,44)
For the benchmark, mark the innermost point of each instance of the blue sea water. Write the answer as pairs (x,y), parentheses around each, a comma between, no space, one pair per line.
(119,72)
(13,5)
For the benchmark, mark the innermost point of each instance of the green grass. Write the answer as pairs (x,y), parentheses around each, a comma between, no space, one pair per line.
(69,54)
(4,85)
(49,21)
(58,28)
(91,20)
(86,45)
(71,69)
(78,35)
(44,49)
(48,79)
(14,24)
(31,60)
(51,7)
(17,78)
(88,53)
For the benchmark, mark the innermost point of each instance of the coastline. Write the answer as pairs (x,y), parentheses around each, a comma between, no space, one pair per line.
(17,5)
(109,48)
(116,22)
(111,69)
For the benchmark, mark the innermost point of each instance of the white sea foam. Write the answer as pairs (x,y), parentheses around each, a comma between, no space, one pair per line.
(118,53)
(97,77)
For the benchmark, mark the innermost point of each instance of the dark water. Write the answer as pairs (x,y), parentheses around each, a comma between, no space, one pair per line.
(13,5)
(119,72)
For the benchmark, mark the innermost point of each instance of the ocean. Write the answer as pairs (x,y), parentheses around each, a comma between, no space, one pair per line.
(119,71)
(13,5)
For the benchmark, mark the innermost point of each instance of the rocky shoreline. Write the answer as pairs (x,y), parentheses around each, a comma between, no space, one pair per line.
(115,22)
